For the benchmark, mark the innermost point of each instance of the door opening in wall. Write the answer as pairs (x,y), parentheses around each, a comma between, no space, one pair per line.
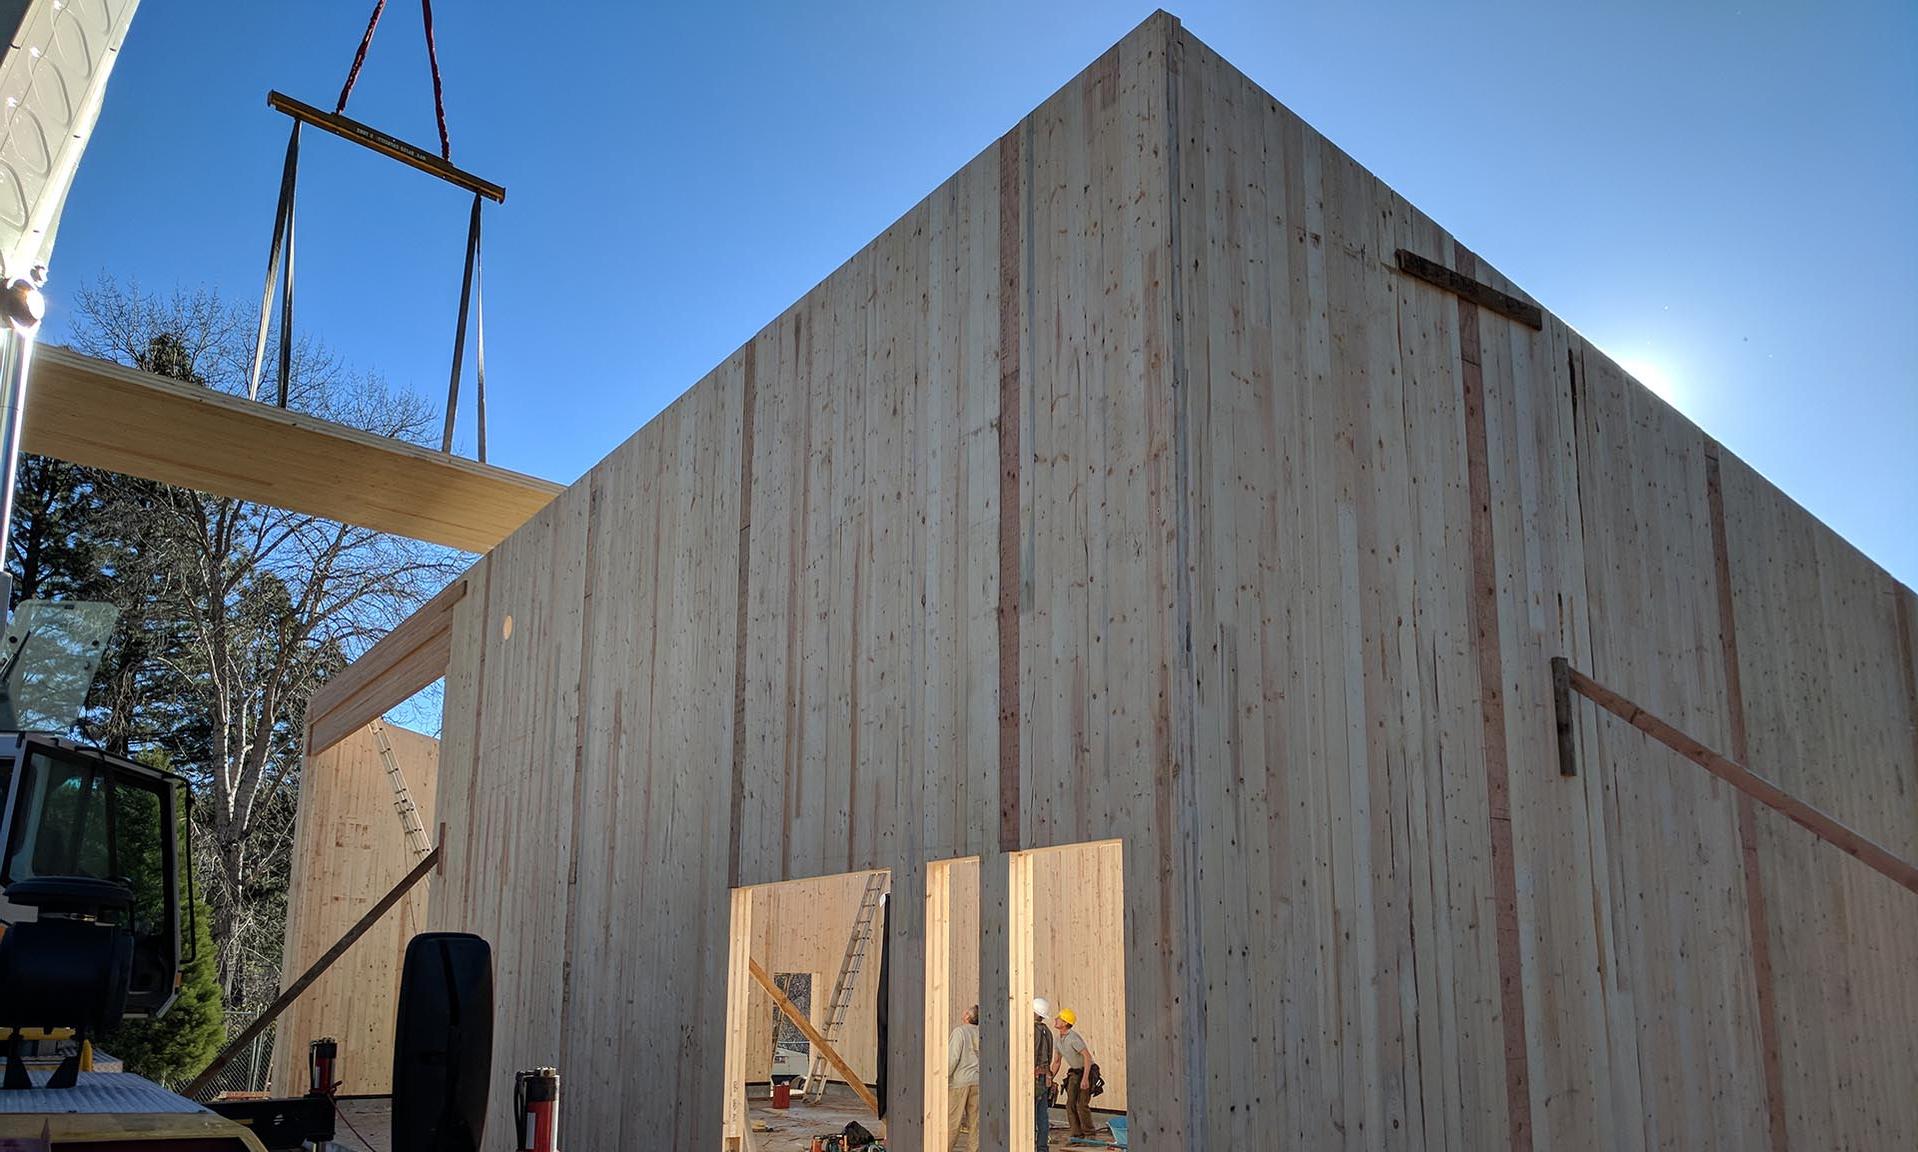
(805,1025)
(1065,910)
(952,1035)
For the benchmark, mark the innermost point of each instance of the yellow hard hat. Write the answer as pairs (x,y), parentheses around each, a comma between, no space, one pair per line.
(1069,1016)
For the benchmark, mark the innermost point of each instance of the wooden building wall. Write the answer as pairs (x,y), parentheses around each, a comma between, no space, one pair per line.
(348,851)
(1123,489)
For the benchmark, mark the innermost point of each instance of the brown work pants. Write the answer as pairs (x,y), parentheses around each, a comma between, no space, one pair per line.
(962,1118)
(1078,1103)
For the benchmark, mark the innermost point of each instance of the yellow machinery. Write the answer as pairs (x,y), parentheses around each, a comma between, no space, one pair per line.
(91,855)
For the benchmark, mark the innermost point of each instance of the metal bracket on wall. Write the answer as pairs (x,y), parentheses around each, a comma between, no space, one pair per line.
(1466,288)
(1562,716)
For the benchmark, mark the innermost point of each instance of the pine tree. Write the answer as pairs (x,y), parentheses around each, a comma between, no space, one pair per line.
(172,1048)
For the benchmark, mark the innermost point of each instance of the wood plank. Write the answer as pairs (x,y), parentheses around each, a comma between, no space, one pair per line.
(1466,288)
(1015,911)
(812,1035)
(1840,836)
(103,415)
(1485,627)
(940,1009)
(1010,534)
(738,1014)
(1755,911)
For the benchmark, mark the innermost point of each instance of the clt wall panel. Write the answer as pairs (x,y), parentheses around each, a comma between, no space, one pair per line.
(349,850)
(1825,656)
(597,865)
(1680,993)
(1123,489)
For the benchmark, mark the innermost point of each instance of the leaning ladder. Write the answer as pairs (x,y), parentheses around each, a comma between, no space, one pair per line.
(402,798)
(817,1069)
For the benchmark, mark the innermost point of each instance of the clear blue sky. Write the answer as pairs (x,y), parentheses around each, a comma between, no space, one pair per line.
(1722,195)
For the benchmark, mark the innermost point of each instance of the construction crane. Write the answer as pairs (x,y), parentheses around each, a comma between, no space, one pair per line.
(95,848)
(91,845)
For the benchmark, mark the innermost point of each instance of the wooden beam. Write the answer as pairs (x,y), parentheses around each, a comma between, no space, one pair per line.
(738,1016)
(318,969)
(106,415)
(800,1022)
(405,660)
(1757,916)
(1839,835)
(1482,618)
(1021,919)
(347,128)
(1466,288)
(939,1008)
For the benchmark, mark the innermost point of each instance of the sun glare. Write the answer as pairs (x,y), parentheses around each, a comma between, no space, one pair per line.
(1656,376)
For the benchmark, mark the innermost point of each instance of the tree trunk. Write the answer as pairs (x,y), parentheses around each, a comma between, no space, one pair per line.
(228,912)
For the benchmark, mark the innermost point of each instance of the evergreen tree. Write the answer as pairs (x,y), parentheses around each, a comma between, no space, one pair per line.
(172,1048)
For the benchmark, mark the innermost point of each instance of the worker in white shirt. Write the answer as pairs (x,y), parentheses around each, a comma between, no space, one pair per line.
(962,1084)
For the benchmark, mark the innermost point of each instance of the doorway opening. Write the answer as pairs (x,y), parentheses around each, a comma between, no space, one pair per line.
(952,1035)
(804,1020)
(1055,930)
(1066,947)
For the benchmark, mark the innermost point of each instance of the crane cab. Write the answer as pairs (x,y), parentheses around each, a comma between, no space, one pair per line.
(91,853)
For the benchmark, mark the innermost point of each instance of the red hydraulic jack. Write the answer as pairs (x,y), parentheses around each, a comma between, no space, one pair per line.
(536,1109)
(322,1056)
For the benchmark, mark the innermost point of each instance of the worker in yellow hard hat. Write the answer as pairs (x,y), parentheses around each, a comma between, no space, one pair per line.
(1071,1052)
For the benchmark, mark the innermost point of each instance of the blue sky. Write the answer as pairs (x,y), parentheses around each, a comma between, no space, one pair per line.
(1722,195)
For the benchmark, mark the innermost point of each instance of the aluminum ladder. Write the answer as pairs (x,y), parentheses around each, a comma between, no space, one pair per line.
(402,798)
(817,1069)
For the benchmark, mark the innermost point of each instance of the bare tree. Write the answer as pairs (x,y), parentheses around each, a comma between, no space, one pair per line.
(249,607)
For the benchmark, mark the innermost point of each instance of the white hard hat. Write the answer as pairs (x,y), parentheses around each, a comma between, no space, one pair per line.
(1042,1006)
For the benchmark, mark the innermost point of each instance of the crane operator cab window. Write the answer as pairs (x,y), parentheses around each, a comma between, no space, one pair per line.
(78,812)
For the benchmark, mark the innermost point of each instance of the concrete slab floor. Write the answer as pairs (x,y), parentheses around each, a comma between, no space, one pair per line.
(371,1117)
(1061,1135)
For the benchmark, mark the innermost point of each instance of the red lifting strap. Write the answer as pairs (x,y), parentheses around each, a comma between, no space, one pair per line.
(432,59)
(439,98)
(359,58)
